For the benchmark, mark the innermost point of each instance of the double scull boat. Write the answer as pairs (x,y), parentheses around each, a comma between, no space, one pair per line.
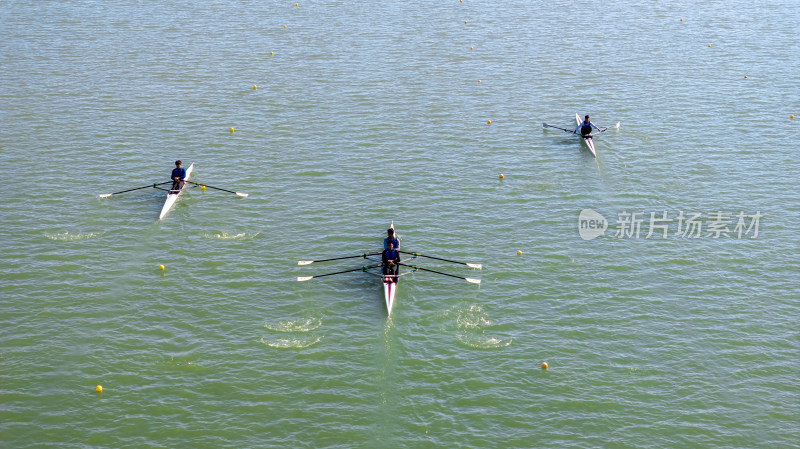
(389,282)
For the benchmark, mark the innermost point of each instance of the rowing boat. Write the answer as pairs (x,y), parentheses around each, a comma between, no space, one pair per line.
(587,140)
(172,195)
(389,282)
(389,286)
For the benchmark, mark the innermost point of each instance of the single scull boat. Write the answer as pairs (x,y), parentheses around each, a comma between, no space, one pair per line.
(172,195)
(586,139)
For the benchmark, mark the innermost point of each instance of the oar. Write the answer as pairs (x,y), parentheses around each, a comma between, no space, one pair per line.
(364,268)
(309,262)
(243,195)
(477,266)
(572,130)
(106,195)
(470,280)
(562,129)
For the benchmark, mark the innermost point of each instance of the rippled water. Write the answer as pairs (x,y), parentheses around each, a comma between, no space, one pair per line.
(367,113)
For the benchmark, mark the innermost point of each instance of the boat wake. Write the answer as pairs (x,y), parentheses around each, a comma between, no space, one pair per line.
(69,237)
(180,363)
(299,327)
(226,236)
(291,343)
(471,323)
(307,325)
(482,342)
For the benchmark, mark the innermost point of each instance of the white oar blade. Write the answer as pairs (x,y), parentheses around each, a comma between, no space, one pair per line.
(105,195)
(305,262)
(304,278)
(473,281)
(243,195)
(476,266)
(617,125)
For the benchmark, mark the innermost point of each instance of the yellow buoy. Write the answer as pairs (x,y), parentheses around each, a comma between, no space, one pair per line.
(255,87)
(519,252)
(791,116)
(501,176)
(203,188)
(465,22)
(709,45)
(231,129)
(489,122)
(544,365)
(681,20)
(284,26)
(161,267)
(272,53)
(470,48)
(98,388)
(479,81)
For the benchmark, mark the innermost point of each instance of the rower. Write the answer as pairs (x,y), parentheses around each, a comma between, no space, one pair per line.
(391,262)
(178,176)
(586,127)
(391,238)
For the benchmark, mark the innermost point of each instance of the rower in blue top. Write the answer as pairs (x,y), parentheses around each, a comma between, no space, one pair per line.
(178,176)
(391,238)
(586,127)
(390,259)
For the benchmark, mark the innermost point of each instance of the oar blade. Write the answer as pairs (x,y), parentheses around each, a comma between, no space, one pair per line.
(476,266)
(473,281)
(243,195)
(104,195)
(304,278)
(305,262)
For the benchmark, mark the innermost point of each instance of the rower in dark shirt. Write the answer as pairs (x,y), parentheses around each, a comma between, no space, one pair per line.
(178,176)
(586,127)
(391,238)
(391,262)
